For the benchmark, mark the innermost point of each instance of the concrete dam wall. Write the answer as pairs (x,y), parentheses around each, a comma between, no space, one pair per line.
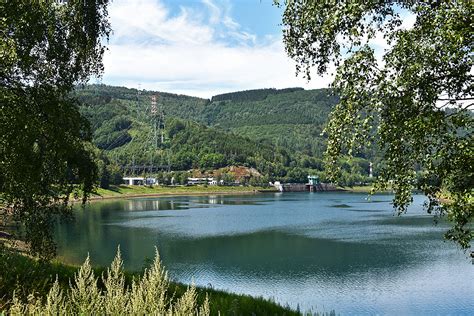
(302,187)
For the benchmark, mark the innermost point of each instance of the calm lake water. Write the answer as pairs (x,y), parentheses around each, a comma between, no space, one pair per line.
(320,251)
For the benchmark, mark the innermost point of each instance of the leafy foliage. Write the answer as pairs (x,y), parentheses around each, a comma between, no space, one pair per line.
(46,48)
(415,106)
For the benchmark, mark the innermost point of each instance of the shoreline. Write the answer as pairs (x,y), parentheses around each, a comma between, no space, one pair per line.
(123,192)
(126,191)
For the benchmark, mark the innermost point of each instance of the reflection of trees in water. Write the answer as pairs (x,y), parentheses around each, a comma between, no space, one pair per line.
(151,205)
(176,203)
(227,200)
(270,253)
(266,253)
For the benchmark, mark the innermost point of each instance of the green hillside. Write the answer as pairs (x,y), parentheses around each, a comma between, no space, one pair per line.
(293,118)
(275,131)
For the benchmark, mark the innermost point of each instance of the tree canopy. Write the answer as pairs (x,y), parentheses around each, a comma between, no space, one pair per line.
(415,103)
(46,47)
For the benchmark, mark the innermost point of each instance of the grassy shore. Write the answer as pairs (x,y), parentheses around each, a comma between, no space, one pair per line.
(139,191)
(358,189)
(363,189)
(25,275)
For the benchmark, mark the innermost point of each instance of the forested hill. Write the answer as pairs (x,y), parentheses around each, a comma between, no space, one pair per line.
(292,118)
(275,131)
(174,105)
(251,95)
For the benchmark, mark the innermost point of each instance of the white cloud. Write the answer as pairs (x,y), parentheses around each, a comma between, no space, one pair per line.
(203,70)
(147,20)
(195,52)
(215,11)
(230,23)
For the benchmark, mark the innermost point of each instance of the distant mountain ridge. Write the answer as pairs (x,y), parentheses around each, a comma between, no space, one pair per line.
(252,95)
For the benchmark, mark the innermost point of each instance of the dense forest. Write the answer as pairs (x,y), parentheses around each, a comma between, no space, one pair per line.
(252,95)
(277,132)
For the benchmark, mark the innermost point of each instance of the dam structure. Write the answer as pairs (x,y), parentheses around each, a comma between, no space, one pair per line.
(313,185)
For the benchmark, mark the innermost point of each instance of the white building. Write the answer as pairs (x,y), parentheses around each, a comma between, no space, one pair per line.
(151,181)
(139,181)
(134,180)
(194,181)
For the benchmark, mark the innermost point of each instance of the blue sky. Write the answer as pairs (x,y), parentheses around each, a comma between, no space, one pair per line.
(199,47)
(254,16)
(202,47)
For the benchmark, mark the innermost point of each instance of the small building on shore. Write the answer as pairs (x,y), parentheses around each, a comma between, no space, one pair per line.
(139,181)
(208,181)
(313,180)
(134,180)
(195,181)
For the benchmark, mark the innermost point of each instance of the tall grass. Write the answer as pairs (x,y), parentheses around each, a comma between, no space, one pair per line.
(146,295)
(24,275)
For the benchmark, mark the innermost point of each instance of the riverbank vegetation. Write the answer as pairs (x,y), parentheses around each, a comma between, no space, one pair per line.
(22,276)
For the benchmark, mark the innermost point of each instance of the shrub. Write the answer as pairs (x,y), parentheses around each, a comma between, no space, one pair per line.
(147,295)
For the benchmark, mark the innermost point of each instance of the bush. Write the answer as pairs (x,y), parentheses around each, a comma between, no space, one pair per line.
(147,295)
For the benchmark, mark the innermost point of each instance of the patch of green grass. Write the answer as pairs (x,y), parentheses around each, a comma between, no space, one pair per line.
(25,275)
(363,189)
(125,190)
(359,189)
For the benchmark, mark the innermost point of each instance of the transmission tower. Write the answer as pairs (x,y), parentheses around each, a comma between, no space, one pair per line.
(154,120)
(157,116)
(158,121)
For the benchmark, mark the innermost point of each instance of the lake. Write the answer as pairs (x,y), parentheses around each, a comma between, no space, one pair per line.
(316,251)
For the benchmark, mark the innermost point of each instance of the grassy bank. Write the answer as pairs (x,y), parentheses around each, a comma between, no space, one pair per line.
(25,275)
(358,189)
(137,191)
(364,189)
